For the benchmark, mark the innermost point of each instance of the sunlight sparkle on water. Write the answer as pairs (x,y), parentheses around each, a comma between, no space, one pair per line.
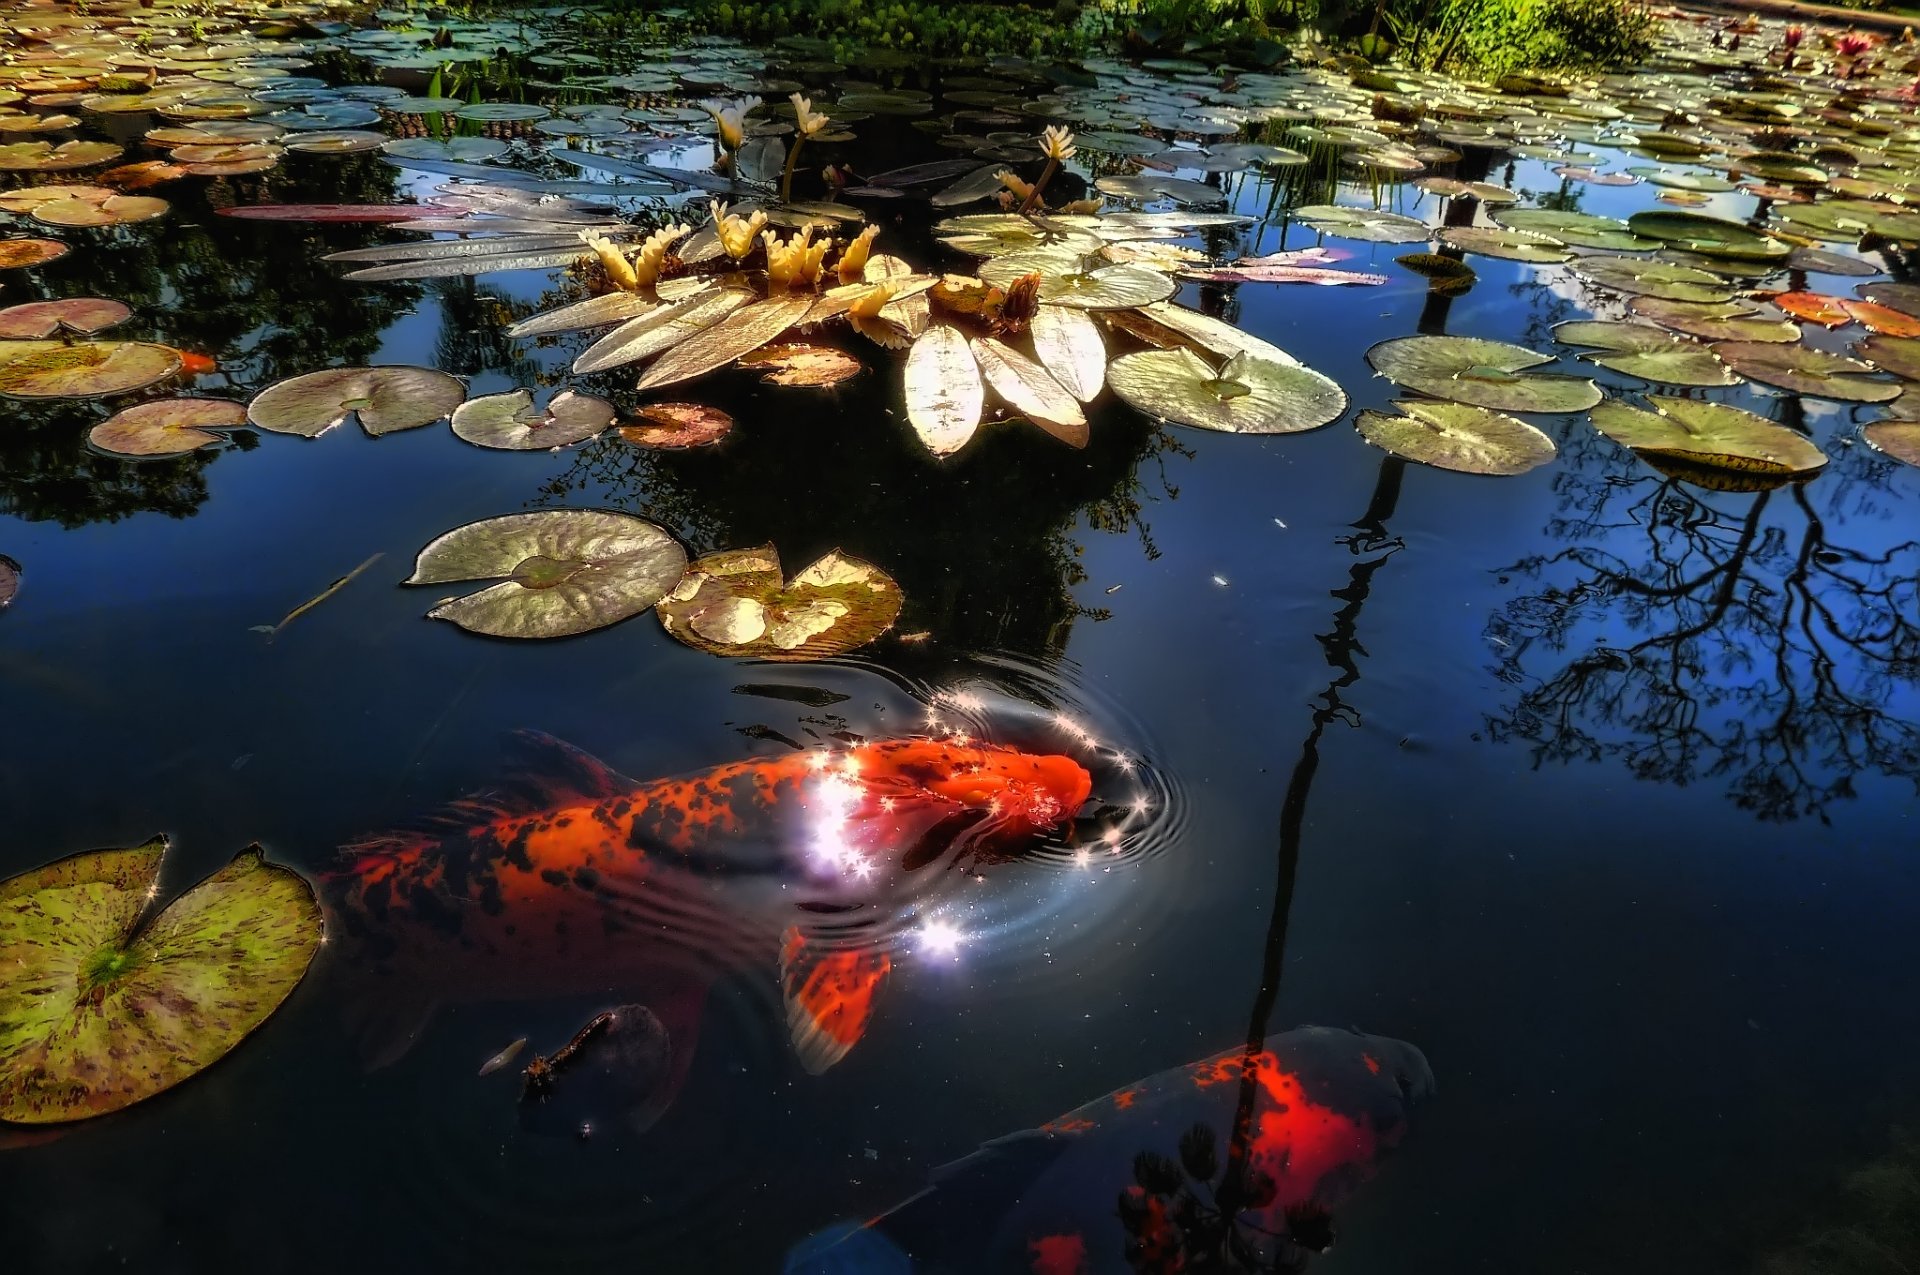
(941,938)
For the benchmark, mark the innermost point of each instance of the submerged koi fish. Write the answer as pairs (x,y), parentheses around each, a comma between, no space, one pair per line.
(572,878)
(1053,1200)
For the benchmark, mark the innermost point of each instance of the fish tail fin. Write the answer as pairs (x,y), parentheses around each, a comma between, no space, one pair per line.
(829,989)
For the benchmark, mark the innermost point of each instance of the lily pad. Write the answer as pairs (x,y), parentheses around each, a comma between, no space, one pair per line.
(741,332)
(1508,245)
(9,581)
(83,369)
(41,319)
(386,399)
(944,390)
(1367,224)
(738,603)
(1581,230)
(41,157)
(798,363)
(1807,371)
(1638,349)
(1030,389)
(1249,395)
(1481,373)
(1066,279)
(511,422)
(1708,236)
(675,426)
(560,571)
(1716,321)
(1899,439)
(1068,343)
(17,254)
(104,1007)
(1899,355)
(1708,434)
(1639,277)
(1456,436)
(167,426)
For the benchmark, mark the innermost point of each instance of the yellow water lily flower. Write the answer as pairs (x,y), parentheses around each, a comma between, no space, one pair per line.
(1022,188)
(653,254)
(853,260)
(795,262)
(808,120)
(737,234)
(730,118)
(1057,142)
(619,270)
(871,302)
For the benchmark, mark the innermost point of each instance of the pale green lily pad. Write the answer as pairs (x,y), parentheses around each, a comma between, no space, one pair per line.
(1899,355)
(510,421)
(386,399)
(739,603)
(1368,224)
(1248,395)
(1068,279)
(1508,245)
(82,369)
(1713,435)
(1481,373)
(1638,349)
(1716,321)
(1456,436)
(1581,230)
(1708,236)
(1639,277)
(1805,370)
(998,234)
(102,1006)
(561,571)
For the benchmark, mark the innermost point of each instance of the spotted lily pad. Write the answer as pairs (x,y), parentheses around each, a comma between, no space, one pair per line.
(1805,370)
(510,421)
(1638,349)
(1714,435)
(386,399)
(1248,395)
(560,571)
(103,1005)
(41,319)
(167,426)
(1481,373)
(83,369)
(1470,440)
(738,603)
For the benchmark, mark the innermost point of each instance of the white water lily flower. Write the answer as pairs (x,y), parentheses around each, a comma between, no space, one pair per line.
(809,121)
(1057,142)
(730,118)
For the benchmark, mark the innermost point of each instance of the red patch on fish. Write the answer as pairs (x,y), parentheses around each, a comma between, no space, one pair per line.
(1059,1255)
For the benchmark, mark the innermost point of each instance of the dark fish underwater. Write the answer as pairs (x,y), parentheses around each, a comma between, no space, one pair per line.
(570,879)
(1065,1199)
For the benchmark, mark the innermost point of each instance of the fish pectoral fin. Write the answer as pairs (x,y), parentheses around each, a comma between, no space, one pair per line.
(829,984)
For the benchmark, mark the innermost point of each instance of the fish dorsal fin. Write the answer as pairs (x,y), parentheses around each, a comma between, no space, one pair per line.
(829,983)
(545,772)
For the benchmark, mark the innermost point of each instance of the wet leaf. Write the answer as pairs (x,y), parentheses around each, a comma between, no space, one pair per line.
(736,603)
(105,1009)
(1508,245)
(594,312)
(1068,280)
(41,157)
(1028,388)
(41,319)
(1369,225)
(1637,276)
(1899,439)
(1249,395)
(1581,230)
(1807,371)
(1716,321)
(332,212)
(511,422)
(84,369)
(560,571)
(1471,440)
(660,329)
(9,581)
(802,364)
(1166,324)
(741,332)
(17,254)
(1644,351)
(678,425)
(1068,343)
(945,394)
(1708,236)
(167,426)
(1481,373)
(1833,312)
(1709,434)
(386,399)
(1899,355)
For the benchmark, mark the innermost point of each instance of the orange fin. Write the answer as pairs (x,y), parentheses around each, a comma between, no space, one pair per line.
(829,988)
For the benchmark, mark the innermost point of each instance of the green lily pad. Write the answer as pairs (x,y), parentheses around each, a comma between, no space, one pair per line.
(739,603)
(386,399)
(1716,321)
(1480,373)
(1805,370)
(102,1006)
(1456,436)
(1581,230)
(1147,186)
(1899,355)
(1368,224)
(167,426)
(1845,219)
(511,421)
(1066,279)
(1508,245)
(998,234)
(1249,395)
(1638,349)
(560,571)
(1639,277)
(1673,179)
(1708,434)
(83,369)
(1708,236)
(1904,297)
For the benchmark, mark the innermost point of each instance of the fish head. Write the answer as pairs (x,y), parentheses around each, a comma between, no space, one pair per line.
(991,800)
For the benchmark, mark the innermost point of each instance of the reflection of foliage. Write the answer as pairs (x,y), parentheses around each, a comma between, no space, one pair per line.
(1189,1217)
(1873,1227)
(1765,655)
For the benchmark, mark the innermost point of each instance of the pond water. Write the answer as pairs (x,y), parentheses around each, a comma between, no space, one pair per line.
(1595,784)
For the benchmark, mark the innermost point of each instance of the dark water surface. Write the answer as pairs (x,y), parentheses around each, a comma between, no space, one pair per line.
(1596,786)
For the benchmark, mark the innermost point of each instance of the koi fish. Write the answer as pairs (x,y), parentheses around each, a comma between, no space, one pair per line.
(1067,1199)
(572,878)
